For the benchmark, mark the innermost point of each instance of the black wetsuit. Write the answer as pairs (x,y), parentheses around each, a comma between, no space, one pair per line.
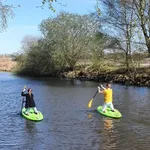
(29,100)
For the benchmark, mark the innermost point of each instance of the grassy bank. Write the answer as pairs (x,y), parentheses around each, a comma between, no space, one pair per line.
(139,76)
(7,64)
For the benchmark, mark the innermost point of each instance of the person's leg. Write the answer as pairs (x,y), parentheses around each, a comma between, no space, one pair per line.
(35,110)
(104,107)
(111,106)
(27,111)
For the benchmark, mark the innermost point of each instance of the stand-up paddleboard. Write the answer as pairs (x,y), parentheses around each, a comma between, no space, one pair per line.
(109,113)
(32,116)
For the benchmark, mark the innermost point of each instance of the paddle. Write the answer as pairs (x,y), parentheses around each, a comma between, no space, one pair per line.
(22,104)
(90,102)
(23,100)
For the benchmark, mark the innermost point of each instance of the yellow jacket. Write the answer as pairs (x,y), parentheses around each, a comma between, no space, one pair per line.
(108,95)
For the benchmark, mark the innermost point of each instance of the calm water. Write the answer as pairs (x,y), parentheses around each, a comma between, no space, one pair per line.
(68,124)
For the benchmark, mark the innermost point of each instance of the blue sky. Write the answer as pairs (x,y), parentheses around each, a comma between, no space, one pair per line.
(28,17)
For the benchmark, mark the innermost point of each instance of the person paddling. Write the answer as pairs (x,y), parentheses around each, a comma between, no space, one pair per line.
(29,103)
(108,97)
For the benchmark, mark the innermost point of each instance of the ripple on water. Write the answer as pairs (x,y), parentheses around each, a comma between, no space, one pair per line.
(68,124)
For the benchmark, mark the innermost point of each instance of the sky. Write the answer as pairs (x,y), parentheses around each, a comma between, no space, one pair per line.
(28,17)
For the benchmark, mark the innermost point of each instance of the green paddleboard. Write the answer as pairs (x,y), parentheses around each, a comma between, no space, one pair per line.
(32,116)
(109,113)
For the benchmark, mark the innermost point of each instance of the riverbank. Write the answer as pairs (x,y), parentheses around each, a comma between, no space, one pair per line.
(7,64)
(140,77)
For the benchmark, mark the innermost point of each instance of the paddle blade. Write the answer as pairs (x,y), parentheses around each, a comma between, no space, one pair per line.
(90,103)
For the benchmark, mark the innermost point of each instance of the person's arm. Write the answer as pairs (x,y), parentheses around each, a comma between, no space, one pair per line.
(99,90)
(22,93)
(103,87)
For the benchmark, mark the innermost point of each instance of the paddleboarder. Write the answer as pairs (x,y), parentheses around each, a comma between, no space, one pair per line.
(29,103)
(108,97)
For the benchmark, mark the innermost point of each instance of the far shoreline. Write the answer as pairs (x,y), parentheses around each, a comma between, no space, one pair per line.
(122,76)
(142,80)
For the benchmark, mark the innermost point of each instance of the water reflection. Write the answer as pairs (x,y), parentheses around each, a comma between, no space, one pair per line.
(108,124)
(108,134)
(29,126)
(90,115)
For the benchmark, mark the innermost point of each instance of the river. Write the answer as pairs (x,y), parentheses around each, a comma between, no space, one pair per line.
(68,124)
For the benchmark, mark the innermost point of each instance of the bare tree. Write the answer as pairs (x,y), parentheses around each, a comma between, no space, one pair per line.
(28,42)
(6,11)
(118,19)
(142,10)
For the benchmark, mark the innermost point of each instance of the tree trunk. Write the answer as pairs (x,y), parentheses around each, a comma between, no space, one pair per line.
(127,61)
(148,46)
